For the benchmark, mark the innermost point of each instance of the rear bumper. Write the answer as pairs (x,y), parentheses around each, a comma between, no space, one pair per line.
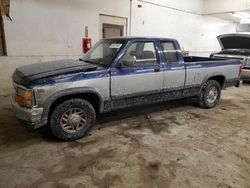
(31,117)
(232,82)
(245,74)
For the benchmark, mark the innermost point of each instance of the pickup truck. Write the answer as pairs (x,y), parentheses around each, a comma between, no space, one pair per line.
(236,46)
(116,73)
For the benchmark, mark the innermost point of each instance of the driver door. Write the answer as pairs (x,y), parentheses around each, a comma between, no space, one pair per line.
(144,77)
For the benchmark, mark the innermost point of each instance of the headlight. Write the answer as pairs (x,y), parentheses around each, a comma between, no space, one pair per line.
(24,97)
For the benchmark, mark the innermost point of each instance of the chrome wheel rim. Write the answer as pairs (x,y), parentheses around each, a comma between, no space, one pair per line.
(73,120)
(212,95)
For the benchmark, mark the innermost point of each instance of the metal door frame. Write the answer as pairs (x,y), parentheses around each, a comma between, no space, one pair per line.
(3,36)
(112,20)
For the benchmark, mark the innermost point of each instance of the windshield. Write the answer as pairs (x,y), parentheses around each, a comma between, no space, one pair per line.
(104,52)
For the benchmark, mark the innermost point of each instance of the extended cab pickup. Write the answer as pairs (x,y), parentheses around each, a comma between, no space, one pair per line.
(116,73)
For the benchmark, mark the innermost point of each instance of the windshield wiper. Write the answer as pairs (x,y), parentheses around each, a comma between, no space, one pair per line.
(89,61)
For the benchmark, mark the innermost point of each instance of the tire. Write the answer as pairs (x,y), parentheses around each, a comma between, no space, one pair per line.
(72,119)
(209,95)
(200,99)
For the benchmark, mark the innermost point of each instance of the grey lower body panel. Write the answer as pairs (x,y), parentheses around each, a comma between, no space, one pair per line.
(125,102)
(36,117)
(31,117)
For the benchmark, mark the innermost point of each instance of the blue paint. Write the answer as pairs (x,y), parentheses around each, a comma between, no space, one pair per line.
(71,78)
(113,70)
(208,64)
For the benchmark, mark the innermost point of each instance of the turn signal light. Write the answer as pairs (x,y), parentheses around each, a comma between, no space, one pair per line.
(27,100)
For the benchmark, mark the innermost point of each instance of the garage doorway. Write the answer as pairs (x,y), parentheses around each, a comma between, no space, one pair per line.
(112,26)
(110,30)
(2,39)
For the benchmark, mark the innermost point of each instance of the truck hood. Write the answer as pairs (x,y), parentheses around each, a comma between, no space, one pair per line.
(234,41)
(24,75)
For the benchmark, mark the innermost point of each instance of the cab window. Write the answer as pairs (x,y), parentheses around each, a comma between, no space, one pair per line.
(143,52)
(170,53)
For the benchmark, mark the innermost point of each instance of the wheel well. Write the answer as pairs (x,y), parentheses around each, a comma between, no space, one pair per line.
(92,98)
(220,79)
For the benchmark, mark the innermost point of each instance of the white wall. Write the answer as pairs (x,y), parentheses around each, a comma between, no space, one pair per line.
(195,32)
(194,6)
(217,6)
(55,27)
(43,30)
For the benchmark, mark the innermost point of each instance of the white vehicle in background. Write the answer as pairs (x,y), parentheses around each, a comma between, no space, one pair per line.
(236,46)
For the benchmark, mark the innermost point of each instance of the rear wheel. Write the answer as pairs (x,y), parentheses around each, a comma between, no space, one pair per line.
(210,94)
(72,119)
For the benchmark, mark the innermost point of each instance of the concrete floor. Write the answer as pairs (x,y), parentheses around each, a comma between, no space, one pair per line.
(175,144)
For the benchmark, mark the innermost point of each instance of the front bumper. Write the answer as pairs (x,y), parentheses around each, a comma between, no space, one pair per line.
(32,117)
(245,74)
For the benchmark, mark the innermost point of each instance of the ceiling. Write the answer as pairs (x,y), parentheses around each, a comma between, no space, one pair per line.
(238,17)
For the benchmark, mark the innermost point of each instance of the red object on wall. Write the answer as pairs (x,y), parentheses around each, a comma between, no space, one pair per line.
(86,42)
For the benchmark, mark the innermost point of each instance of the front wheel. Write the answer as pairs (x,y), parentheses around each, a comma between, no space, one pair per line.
(72,119)
(210,94)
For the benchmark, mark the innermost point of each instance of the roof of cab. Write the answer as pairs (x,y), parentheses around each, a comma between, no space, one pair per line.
(142,38)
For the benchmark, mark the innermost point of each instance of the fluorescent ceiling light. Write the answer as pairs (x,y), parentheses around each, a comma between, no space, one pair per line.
(241,15)
(245,21)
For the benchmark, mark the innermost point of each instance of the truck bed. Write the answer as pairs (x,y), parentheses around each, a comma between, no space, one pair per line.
(199,68)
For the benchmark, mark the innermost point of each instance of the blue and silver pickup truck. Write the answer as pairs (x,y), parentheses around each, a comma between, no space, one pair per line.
(116,73)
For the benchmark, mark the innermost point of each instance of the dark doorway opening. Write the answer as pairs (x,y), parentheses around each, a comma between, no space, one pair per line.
(2,38)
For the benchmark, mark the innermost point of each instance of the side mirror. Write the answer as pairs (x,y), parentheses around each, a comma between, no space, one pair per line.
(128,61)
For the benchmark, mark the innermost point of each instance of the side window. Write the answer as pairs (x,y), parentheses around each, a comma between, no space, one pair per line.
(143,52)
(170,53)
